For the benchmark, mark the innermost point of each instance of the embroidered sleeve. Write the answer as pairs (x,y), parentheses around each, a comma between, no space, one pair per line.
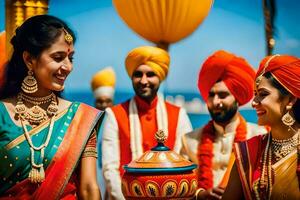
(90,148)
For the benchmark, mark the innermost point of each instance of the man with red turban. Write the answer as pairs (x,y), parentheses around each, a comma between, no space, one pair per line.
(130,127)
(225,83)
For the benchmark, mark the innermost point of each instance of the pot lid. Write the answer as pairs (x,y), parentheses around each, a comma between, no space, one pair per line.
(160,159)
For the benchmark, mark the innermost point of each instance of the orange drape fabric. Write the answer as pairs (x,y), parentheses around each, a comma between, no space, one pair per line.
(147,117)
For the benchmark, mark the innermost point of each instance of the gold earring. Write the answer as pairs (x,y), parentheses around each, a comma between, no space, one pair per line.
(29,84)
(53,107)
(287,119)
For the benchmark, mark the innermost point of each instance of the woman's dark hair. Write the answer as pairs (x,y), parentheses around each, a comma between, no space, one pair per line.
(284,92)
(35,35)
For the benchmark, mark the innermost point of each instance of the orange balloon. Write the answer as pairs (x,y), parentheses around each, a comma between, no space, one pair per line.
(3,58)
(163,21)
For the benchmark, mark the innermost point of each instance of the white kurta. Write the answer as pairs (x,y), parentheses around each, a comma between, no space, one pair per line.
(111,149)
(222,146)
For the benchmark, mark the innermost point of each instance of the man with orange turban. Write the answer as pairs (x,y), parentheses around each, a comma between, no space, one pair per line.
(225,83)
(130,127)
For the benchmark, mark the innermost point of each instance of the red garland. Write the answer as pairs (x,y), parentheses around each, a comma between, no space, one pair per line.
(205,151)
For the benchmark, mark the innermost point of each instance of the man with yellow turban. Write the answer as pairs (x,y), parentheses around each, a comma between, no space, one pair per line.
(225,83)
(103,86)
(130,127)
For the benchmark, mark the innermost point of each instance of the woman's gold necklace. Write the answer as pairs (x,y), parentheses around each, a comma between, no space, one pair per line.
(34,116)
(281,148)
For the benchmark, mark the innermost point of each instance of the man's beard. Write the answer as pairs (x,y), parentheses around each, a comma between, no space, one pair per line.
(146,96)
(226,115)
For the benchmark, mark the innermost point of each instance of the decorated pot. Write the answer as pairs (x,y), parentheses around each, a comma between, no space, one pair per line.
(159,174)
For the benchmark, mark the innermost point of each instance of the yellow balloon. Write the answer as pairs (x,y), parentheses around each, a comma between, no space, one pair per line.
(163,21)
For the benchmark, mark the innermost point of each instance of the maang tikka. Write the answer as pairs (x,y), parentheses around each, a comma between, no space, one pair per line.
(29,84)
(68,37)
(259,77)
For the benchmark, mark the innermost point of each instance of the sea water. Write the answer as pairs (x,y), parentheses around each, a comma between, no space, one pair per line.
(192,102)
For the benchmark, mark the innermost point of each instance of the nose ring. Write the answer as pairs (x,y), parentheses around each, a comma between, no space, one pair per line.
(221,105)
(254,103)
(64,66)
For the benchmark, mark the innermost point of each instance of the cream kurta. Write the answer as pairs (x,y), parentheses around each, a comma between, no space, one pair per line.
(222,146)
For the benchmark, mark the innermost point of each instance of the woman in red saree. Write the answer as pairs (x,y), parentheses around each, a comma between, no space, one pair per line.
(268,166)
(47,144)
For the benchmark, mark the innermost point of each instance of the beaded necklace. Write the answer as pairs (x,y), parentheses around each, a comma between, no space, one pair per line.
(37,172)
(34,116)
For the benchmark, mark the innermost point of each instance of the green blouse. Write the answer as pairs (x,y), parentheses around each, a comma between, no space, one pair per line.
(15,162)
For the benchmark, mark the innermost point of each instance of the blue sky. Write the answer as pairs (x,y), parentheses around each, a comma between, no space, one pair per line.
(236,26)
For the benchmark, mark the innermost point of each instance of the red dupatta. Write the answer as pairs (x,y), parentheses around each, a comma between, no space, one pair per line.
(248,154)
(64,162)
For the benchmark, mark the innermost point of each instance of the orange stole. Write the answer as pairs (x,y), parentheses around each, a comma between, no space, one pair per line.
(68,154)
(121,113)
(205,154)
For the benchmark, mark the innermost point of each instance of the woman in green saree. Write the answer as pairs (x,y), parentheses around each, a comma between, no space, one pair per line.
(47,144)
(268,166)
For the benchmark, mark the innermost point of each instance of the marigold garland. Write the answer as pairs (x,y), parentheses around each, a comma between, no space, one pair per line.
(205,151)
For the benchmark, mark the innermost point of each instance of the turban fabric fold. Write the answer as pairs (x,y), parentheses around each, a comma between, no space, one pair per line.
(156,58)
(285,69)
(235,72)
(103,83)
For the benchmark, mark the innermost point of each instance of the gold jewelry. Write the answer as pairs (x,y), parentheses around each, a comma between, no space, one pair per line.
(53,107)
(288,120)
(90,152)
(68,37)
(29,84)
(37,172)
(265,181)
(258,79)
(37,100)
(36,115)
(281,148)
